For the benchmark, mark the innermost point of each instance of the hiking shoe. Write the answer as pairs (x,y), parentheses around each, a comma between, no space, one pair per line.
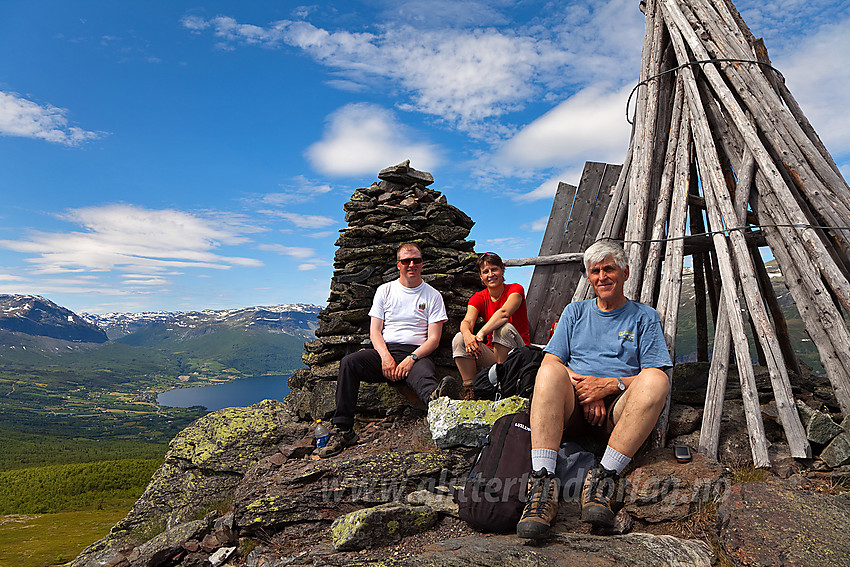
(450,387)
(340,439)
(541,506)
(600,486)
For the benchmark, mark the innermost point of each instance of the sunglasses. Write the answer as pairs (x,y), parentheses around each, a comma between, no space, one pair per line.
(408,261)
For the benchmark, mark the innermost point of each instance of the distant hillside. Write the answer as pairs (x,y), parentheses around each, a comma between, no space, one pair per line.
(36,316)
(686,336)
(51,384)
(297,319)
(247,341)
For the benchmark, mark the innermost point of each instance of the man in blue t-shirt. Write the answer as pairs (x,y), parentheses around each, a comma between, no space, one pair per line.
(604,370)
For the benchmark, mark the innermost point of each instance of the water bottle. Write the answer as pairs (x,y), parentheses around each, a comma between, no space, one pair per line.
(322,434)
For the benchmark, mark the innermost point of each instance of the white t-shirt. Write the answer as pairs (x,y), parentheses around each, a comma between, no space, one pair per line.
(407,312)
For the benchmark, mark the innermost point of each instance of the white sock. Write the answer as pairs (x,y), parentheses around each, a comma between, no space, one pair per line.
(613,460)
(544,459)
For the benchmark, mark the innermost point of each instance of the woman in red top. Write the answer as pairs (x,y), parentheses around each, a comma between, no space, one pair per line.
(502,306)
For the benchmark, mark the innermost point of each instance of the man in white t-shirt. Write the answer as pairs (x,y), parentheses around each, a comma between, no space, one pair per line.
(407,317)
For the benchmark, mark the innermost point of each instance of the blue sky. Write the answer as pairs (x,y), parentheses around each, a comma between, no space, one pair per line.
(189,155)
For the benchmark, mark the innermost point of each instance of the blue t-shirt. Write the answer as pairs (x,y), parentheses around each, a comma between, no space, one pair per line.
(616,343)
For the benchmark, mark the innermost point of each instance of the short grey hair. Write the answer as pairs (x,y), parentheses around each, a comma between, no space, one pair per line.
(601,249)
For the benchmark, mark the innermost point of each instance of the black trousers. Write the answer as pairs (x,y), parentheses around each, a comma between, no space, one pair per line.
(365,365)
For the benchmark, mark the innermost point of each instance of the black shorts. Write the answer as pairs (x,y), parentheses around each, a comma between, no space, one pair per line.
(577,425)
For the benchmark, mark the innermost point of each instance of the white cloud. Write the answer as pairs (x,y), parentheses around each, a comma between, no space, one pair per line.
(322,234)
(480,66)
(294,251)
(306,267)
(591,125)
(508,243)
(362,139)
(548,188)
(144,280)
(818,77)
(306,221)
(10,278)
(299,190)
(135,239)
(23,118)
(538,225)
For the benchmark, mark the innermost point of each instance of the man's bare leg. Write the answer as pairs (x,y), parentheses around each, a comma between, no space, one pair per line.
(634,416)
(552,402)
(637,411)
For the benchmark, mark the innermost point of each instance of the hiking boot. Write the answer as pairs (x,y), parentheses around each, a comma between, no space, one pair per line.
(449,386)
(541,506)
(600,486)
(340,439)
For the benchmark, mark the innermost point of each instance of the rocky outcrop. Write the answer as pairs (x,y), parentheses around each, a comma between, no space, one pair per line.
(382,524)
(399,208)
(243,480)
(204,465)
(467,423)
(767,524)
(643,550)
(241,485)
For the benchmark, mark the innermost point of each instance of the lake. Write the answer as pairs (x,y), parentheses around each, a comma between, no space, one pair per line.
(236,393)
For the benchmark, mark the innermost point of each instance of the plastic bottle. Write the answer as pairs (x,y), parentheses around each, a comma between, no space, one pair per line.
(322,434)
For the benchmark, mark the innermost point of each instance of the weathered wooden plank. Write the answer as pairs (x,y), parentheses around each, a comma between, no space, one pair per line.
(823,322)
(715,392)
(615,215)
(825,192)
(552,238)
(796,124)
(775,191)
(563,279)
(720,206)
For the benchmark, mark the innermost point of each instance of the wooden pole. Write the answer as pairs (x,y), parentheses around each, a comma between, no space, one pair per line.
(720,206)
(643,141)
(671,285)
(662,207)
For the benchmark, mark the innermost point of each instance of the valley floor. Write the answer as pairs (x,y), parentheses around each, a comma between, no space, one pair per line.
(39,540)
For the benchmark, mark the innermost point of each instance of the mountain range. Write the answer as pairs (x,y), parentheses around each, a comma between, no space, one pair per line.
(251,340)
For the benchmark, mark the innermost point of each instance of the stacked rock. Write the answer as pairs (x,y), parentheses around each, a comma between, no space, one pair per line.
(400,208)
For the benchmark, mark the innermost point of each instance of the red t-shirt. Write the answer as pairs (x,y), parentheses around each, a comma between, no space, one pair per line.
(486,308)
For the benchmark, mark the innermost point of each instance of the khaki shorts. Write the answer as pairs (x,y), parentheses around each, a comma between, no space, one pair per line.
(506,335)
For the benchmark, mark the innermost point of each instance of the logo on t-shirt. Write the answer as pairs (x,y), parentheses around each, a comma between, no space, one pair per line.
(627,335)
(422,306)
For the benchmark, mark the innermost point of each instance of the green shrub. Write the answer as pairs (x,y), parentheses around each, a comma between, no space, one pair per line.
(86,486)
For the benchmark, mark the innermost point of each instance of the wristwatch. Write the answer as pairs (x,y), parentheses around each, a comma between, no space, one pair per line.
(413,356)
(620,384)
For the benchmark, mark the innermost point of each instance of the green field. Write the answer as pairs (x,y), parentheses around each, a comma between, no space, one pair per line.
(52,539)
(81,433)
(49,514)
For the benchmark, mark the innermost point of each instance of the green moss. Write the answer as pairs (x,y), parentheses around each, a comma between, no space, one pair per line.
(484,410)
(222,431)
(345,526)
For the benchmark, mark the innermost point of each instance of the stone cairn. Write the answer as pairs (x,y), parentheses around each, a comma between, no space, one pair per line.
(400,208)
